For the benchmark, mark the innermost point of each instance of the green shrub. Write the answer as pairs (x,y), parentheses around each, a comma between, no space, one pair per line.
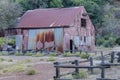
(84,55)
(2,59)
(18,54)
(2,41)
(82,74)
(28,60)
(38,55)
(10,60)
(11,41)
(53,54)
(5,53)
(41,59)
(78,54)
(51,59)
(31,72)
(29,54)
(5,70)
(67,54)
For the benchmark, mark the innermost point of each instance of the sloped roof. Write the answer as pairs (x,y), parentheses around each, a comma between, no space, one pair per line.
(50,17)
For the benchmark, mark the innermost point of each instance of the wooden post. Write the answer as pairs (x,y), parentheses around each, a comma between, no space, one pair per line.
(57,70)
(76,64)
(91,64)
(102,69)
(112,57)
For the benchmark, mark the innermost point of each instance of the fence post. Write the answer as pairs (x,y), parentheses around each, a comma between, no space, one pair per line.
(57,71)
(91,64)
(102,69)
(76,64)
(112,57)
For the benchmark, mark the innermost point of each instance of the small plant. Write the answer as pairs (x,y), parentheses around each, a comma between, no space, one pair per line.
(39,55)
(67,54)
(78,54)
(81,75)
(2,59)
(5,70)
(84,55)
(18,68)
(5,53)
(29,65)
(28,60)
(51,59)
(29,54)
(41,59)
(18,54)
(31,72)
(53,54)
(10,60)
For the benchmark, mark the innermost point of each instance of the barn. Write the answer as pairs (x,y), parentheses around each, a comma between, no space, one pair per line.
(58,29)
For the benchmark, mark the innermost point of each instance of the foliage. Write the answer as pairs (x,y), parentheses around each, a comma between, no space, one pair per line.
(9,12)
(51,59)
(67,54)
(31,71)
(81,75)
(32,4)
(38,55)
(53,54)
(18,54)
(107,41)
(29,54)
(10,60)
(84,55)
(2,41)
(56,3)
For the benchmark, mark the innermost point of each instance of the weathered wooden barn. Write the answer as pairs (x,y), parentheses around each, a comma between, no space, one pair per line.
(57,29)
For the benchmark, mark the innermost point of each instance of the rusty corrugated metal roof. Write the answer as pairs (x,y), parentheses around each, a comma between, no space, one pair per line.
(50,17)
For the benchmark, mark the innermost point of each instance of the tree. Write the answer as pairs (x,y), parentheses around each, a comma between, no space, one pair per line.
(56,3)
(33,4)
(9,12)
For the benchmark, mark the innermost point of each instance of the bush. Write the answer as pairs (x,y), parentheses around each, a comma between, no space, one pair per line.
(18,54)
(11,41)
(5,53)
(2,59)
(31,72)
(78,54)
(106,41)
(29,54)
(82,74)
(2,41)
(51,59)
(84,55)
(67,54)
(38,55)
(10,60)
(53,54)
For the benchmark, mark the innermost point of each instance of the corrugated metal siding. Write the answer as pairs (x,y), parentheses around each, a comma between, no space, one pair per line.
(32,39)
(19,39)
(41,38)
(59,39)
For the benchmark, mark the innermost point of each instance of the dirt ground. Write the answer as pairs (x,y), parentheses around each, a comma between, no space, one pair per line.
(46,71)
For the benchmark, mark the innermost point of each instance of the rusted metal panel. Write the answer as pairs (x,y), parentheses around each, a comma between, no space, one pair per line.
(41,38)
(19,41)
(59,39)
